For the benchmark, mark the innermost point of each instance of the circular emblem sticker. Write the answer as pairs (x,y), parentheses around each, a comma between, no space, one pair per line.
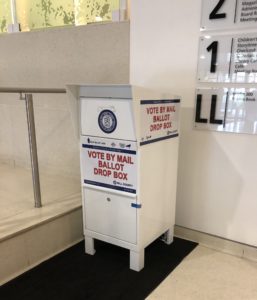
(107,121)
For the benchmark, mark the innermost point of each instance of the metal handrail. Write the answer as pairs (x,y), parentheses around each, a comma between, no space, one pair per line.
(31,90)
(28,97)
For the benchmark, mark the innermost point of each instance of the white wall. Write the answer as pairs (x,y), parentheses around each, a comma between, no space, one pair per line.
(217,190)
(53,58)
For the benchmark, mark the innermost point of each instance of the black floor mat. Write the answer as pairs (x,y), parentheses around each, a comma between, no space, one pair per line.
(74,275)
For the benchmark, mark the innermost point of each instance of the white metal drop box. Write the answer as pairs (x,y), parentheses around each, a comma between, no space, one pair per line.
(129,151)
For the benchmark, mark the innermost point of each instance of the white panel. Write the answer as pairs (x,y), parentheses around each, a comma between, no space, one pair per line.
(158,170)
(228,14)
(159,120)
(111,215)
(229,58)
(109,163)
(236,110)
(121,109)
(106,91)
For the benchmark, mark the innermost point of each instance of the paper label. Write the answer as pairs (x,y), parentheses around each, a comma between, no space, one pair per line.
(110,163)
(159,120)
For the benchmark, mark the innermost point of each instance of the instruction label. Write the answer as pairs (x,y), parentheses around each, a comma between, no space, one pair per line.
(247,12)
(244,60)
(110,164)
(159,120)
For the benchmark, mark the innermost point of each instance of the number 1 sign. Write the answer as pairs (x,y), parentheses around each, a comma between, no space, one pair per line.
(228,14)
(228,58)
(214,59)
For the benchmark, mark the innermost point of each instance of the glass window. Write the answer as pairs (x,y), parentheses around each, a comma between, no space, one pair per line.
(33,14)
(89,11)
(5,15)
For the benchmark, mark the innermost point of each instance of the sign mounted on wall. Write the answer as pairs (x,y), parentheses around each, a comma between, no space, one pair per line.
(159,120)
(226,109)
(228,14)
(230,58)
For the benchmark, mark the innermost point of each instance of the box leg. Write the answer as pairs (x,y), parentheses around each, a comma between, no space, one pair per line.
(89,245)
(168,236)
(137,260)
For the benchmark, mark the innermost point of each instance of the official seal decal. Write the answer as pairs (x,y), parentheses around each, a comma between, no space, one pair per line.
(107,121)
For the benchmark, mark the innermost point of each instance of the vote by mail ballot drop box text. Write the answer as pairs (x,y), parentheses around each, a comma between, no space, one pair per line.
(129,150)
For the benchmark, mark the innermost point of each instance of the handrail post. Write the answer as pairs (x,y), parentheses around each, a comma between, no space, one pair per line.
(32,131)
(14,26)
(33,149)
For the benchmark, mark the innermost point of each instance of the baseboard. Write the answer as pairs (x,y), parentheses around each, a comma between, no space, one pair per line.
(217,243)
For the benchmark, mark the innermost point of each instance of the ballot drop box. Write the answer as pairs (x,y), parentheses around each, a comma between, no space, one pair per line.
(129,153)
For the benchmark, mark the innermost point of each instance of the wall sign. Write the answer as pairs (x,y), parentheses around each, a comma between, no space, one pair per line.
(228,58)
(228,14)
(159,120)
(110,163)
(226,109)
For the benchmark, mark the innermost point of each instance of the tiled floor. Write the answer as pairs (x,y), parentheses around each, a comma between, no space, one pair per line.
(210,275)
(59,194)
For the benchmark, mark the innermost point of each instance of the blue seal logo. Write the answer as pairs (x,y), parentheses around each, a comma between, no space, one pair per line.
(107,121)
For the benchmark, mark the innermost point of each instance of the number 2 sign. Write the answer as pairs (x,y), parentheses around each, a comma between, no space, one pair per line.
(228,14)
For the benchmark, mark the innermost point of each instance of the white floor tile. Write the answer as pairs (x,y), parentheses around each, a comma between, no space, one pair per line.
(210,275)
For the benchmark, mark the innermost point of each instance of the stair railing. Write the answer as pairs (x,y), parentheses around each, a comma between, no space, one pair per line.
(27,95)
